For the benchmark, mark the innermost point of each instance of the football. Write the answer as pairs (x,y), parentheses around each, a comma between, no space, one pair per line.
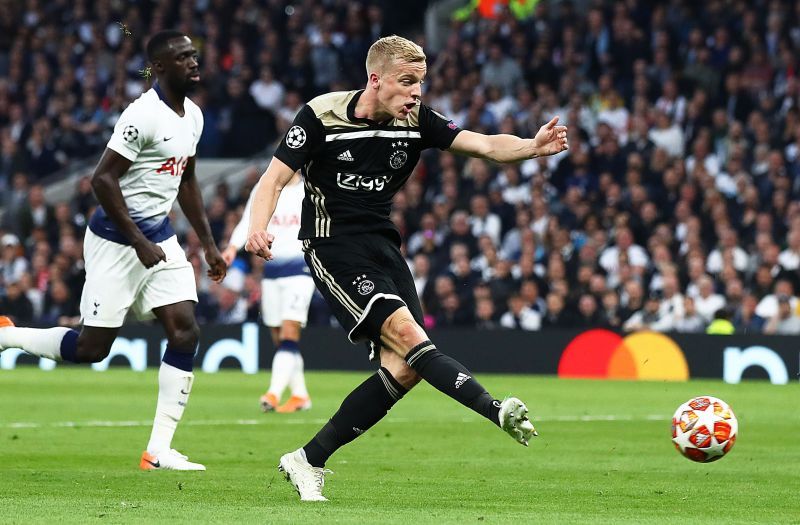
(704,429)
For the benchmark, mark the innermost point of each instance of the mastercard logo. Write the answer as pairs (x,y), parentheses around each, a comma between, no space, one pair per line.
(602,354)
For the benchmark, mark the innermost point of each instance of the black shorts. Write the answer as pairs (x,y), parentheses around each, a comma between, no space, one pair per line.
(364,279)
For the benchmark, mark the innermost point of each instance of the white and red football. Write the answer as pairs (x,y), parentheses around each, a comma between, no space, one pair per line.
(704,429)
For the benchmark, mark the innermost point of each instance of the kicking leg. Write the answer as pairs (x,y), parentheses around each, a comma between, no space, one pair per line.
(91,345)
(360,410)
(175,380)
(401,333)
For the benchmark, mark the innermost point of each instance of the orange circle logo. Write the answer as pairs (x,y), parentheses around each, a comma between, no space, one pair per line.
(602,354)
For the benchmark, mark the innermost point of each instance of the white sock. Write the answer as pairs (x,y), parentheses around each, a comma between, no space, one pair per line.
(174,387)
(297,383)
(41,342)
(282,368)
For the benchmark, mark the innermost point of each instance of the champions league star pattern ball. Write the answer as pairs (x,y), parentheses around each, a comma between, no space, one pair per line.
(704,429)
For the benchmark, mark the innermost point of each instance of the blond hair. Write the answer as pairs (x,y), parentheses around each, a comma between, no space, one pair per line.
(390,48)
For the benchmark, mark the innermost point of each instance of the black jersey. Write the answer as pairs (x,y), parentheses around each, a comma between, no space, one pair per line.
(353,167)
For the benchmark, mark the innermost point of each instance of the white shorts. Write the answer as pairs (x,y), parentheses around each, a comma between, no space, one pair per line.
(116,281)
(286,299)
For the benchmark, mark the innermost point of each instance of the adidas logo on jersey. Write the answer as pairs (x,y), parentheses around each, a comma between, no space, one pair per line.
(346,156)
(461,379)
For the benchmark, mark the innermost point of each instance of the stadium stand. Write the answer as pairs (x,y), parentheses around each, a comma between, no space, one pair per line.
(677,204)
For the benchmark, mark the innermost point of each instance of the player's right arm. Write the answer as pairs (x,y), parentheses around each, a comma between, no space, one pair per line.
(301,142)
(264,199)
(105,183)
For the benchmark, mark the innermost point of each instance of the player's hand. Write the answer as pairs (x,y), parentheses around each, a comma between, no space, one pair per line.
(149,253)
(551,139)
(217,267)
(260,243)
(229,254)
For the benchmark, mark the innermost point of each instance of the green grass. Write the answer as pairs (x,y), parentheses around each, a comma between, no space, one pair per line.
(429,461)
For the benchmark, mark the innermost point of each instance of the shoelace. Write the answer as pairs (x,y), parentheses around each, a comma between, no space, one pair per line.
(319,477)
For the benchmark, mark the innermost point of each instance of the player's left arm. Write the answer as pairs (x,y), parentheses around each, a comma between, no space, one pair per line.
(191,202)
(549,140)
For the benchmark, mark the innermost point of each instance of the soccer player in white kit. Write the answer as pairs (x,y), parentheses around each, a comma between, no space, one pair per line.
(286,291)
(133,259)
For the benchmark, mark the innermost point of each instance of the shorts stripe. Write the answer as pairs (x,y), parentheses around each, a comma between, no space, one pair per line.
(333,286)
(322,220)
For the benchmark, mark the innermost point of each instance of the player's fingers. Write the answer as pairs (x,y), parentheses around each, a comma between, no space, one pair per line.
(552,123)
(258,246)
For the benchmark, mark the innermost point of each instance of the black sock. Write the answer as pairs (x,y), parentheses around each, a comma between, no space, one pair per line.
(449,376)
(365,406)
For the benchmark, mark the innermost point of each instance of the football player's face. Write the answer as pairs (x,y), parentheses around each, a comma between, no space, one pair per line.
(401,88)
(179,63)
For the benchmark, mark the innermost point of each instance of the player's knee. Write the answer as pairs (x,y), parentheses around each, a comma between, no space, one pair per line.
(290,330)
(397,366)
(402,332)
(186,337)
(407,377)
(91,352)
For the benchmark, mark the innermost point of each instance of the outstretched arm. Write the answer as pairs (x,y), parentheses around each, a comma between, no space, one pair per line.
(549,140)
(191,202)
(264,200)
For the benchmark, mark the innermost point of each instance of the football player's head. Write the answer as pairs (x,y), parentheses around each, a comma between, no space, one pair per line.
(174,60)
(395,69)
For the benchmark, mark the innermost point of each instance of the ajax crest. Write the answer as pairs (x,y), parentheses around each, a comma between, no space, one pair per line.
(363,285)
(398,159)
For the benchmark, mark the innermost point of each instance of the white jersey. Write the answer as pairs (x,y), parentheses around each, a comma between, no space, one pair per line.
(159,142)
(287,249)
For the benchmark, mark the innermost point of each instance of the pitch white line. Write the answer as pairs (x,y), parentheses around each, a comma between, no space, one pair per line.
(306,421)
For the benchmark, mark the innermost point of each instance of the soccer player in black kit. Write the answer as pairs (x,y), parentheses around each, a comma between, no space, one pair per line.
(356,149)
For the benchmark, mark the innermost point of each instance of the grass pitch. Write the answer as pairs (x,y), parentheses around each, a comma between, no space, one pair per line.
(71,441)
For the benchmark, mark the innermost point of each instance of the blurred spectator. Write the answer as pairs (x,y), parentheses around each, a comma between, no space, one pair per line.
(721,324)
(485,314)
(520,316)
(589,316)
(648,318)
(785,321)
(745,319)
(15,304)
(768,306)
(707,302)
(35,213)
(12,262)
(231,306)
(483,221)
(691,322)
(556,315)
(60,308)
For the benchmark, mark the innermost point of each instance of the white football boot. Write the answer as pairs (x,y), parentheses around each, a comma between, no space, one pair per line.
(514,420)
(307,479)
(169,460)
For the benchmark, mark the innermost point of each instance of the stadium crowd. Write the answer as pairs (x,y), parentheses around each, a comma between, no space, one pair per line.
(676,206)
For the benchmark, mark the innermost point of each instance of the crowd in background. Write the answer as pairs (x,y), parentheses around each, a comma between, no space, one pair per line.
(676,205)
